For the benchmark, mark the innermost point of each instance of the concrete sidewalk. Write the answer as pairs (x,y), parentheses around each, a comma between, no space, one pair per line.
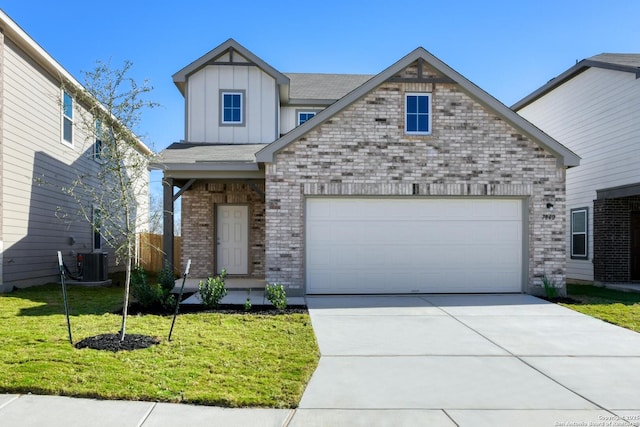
(448,360)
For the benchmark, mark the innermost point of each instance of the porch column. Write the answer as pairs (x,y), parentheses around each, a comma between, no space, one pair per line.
(167,220)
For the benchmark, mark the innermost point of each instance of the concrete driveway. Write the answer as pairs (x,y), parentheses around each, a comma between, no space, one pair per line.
(471,360)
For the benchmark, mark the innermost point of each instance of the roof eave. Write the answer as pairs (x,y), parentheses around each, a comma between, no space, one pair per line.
(568,75)
(37,53)
(204,166)
(180,78)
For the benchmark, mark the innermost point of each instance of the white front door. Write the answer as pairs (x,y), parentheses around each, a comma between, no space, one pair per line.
(232,239)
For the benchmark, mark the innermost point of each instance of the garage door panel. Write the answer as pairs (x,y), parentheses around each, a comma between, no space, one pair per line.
(413,245)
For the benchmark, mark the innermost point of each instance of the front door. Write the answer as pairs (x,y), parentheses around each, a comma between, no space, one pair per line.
(635,246)
(232,239)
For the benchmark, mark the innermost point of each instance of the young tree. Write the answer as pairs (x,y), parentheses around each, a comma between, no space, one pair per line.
(108,196)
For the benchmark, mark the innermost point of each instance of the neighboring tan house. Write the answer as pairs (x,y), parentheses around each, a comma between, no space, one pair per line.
(42,149)
(594,109)
(413,180)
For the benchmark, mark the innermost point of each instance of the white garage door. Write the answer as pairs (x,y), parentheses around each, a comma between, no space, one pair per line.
(365,245)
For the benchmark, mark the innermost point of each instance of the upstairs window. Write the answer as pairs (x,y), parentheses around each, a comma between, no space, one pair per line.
(303,116)
(418,113)
(579,227)
(232,108)
(97,147)
(67,118)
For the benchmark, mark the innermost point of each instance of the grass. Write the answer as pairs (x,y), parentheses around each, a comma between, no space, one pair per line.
(617,307)
(231,360)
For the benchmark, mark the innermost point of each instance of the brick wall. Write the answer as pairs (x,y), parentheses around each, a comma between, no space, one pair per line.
(612,238)
(199,224)
(363,150)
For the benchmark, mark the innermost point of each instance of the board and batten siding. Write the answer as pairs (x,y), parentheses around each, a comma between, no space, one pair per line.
(203,105)
(597,115)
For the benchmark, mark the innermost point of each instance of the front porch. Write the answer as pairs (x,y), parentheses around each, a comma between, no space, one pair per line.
(239,289)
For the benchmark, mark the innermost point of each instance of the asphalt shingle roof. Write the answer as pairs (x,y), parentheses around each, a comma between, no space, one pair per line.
(624,59)
(182,152)
(323,86)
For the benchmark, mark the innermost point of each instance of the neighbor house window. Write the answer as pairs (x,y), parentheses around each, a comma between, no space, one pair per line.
(303,116)
(97,146)
(232,108)
(579,227)
(418,113)
(97,229)
(67,118)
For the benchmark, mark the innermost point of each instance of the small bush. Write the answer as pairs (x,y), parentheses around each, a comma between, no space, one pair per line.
(247,303)
(166,279)
(151,296)
(276,295)
(550,287)
(213,290)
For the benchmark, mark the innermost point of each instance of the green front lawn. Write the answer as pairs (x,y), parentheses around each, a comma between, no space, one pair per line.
(619,308)
(213,359)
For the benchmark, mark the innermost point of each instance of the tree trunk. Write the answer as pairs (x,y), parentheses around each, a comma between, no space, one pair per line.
(127,284)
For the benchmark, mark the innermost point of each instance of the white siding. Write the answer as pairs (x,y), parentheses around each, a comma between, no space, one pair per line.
(38,219)
(203,98)
(597,115)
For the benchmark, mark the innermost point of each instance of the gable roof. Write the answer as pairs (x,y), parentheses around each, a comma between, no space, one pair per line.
(565,156)
(180,77)
(623,62)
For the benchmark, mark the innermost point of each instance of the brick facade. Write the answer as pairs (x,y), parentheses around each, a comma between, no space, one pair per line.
(612,238)
(363,150)
(199,224)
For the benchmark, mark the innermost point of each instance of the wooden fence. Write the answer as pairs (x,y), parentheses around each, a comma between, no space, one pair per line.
(150,255)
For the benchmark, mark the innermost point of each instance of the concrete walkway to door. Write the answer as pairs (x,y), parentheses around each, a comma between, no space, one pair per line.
(467,360)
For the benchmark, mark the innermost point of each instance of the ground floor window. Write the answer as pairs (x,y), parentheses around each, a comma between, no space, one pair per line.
(579,227)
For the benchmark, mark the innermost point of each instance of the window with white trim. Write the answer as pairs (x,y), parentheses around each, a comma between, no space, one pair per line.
(579,233)
(303,116)
(417,113)
(67,118)
(97,146)
(232,108)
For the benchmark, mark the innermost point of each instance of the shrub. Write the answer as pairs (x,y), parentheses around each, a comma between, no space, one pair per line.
(147,295)
(151,296)
(213,290)
(276,295)
(166,278)
(247,303)
(550,287)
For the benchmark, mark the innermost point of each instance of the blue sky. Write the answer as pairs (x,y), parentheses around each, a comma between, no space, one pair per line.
(508,48)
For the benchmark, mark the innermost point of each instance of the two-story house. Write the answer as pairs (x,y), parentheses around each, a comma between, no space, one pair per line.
(594,109)
(408,181)
(43,148)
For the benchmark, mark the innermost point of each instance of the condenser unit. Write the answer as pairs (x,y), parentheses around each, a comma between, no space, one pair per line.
(95,267)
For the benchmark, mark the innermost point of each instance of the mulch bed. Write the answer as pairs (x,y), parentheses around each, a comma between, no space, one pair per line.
(111,342)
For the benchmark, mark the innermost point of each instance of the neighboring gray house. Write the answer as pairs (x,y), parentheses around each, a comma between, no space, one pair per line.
(412,180)
(594,109)
(42,145)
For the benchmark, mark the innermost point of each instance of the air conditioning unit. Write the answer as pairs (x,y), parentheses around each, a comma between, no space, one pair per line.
(95,267)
